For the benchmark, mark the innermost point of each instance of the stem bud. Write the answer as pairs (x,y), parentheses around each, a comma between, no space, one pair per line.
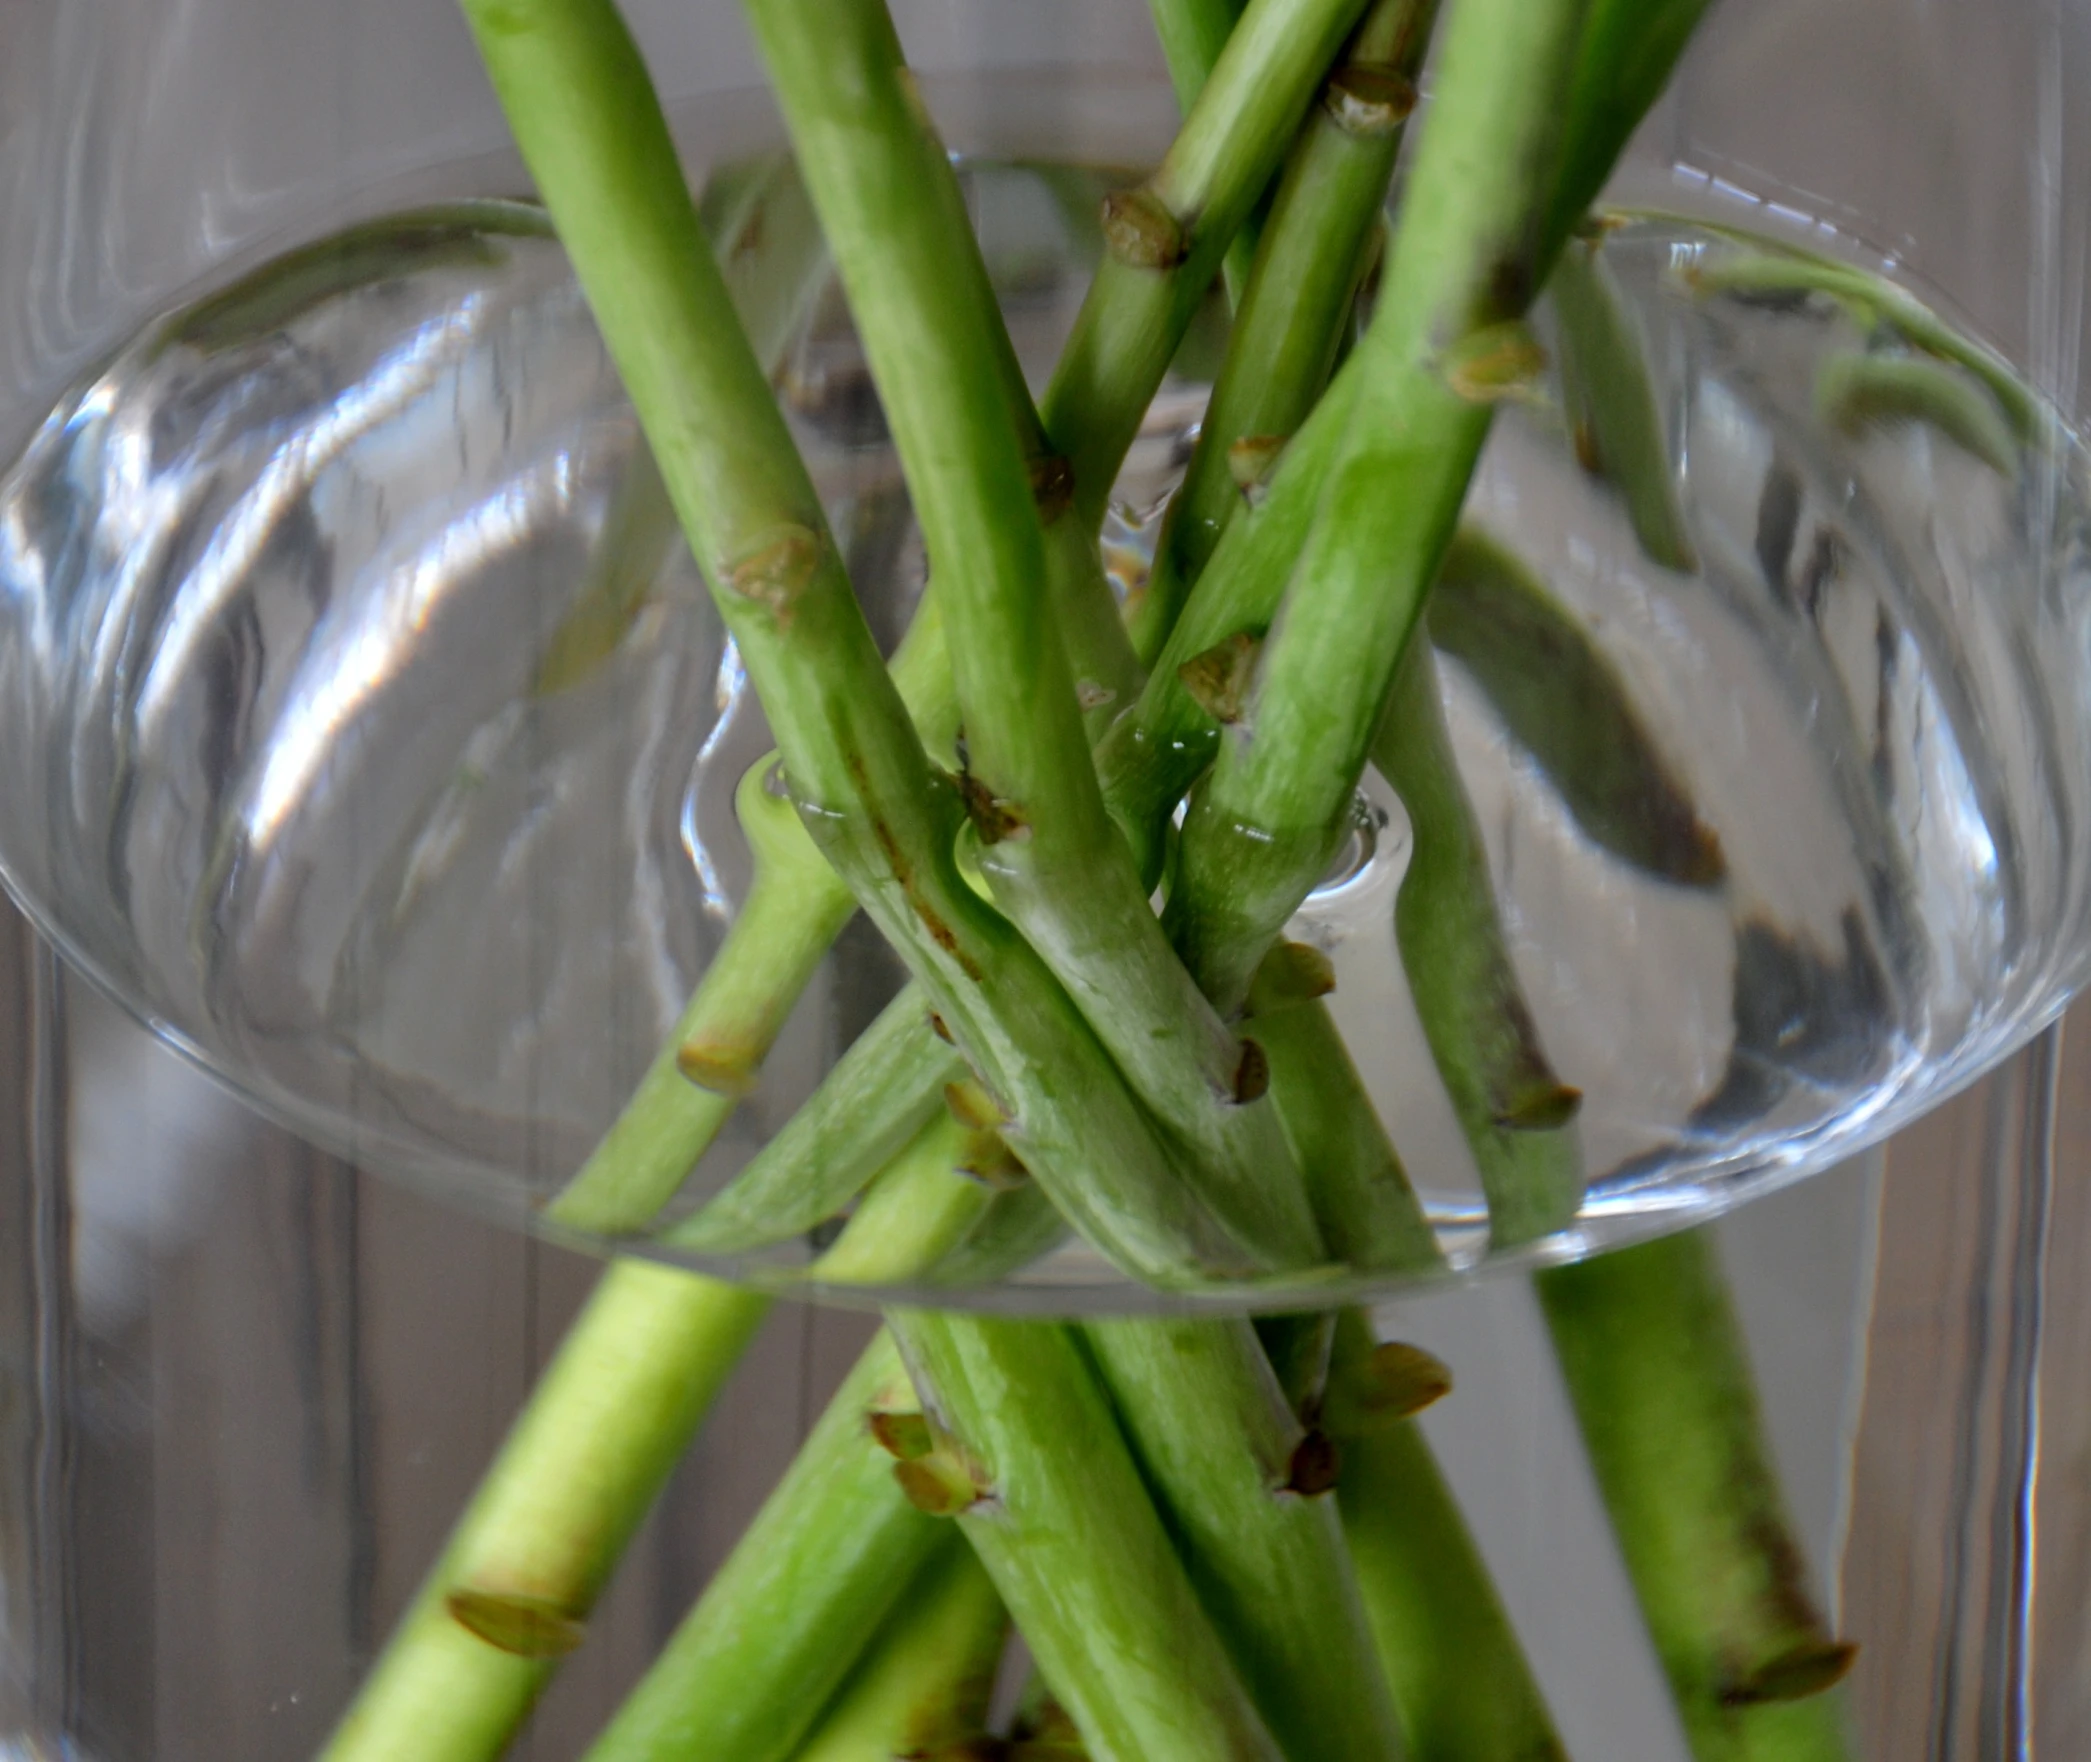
(1495,363)
(1052,485)
(724,1070)
(1249,462)
(776,571)
(1219,679)
(1806,1670)
(973,1107)
(1141,232)
(523,1626)
(1252,1074)
(903,1436)
(1369,99)
(1315,1466)
(940,1484)
(1392,1383)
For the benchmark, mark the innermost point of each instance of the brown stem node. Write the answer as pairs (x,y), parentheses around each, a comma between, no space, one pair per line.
(1140,232)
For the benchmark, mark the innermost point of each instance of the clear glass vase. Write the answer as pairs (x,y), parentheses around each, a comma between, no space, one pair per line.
(363,801)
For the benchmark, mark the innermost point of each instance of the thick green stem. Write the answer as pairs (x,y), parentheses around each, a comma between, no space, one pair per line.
(1459,1676)
(1514,1111)
(1317,240)
(1165,239)
(926,315)
(1654,1360)
(1244,1492)
(1072,1540)
(1264,823)
(590,128)
(923,1689)
(514,1588)
(783,1621)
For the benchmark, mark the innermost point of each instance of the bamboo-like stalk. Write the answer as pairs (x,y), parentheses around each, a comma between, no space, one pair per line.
(1648,1342)
(923,1689)
(783,1621)
(1296,303)
(927,318)
(1263,824)
(1059,1516)
(1514,1111)
(1221,1446)
(1459,1676)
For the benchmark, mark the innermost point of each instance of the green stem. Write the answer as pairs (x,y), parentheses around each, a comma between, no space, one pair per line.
(1263,824)
(590,128)
(1074,1545)
(786,1617)
(1613,416)
(1192,35)
(923,1689)
(1166,238)
(1648,1342)
(1459,1677)
(872,1102)
(1221,1447)
(513,1590)
(1297,302)
(922,1206)
(936,345)
(1512,1108)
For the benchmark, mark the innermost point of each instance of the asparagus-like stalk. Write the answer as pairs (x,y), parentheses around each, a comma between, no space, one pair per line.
(877,1096)
(784,1619)
(1614,419)
(514,1588)
(927,318)
(1239,1482)
(1322,226)
(1459,1677)
(1654,1361)
(1514,1111)
(586,118)
(1057,1512)
(1263,824)
(923,1690)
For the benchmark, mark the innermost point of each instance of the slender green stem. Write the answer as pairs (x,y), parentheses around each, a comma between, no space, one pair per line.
(1324,221)
(1605,384)
(1165,239)
(514,1588)
(922,1206)
(923,1689)
(1866,389)
(1192,34)
(1263,824)
(1072,1540)
(1459,1677)
(1222,1449)
(873,1101)
(927,318)
(1514,1111)
(1656,1369)
(782,1622)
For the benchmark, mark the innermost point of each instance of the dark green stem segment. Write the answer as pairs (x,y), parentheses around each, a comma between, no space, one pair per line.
(1460,1679)
(1655,1365)
(1318,239)
(1513,1110)
(1061,1519)
(781,1623)
(1243,1487)
(1444,343)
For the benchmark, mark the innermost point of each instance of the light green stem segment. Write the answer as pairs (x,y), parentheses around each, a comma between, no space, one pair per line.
(1513,1110)
(1459,1677)
(924,1687)
(1610,402)
(1192,34)
(1318,238)
(877,1097)
(825,1562)
(1264,823)
(1175,228)
(1067,1530)
(514,1588)
(590,128)
(922,1206)
(1215,1436)
(1056,864)
(1654,1361)
(1368,1212)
